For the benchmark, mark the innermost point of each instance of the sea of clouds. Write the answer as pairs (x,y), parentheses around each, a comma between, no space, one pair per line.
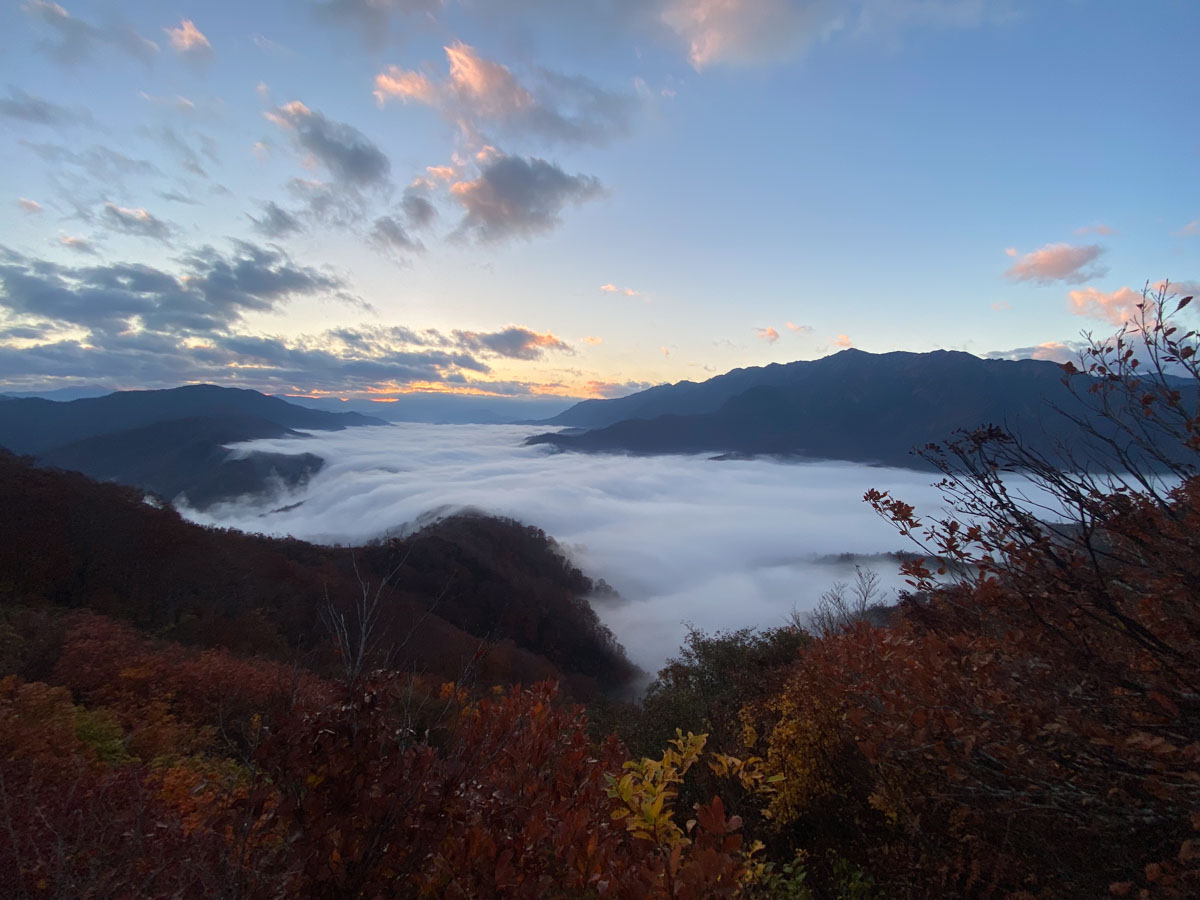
(686,540)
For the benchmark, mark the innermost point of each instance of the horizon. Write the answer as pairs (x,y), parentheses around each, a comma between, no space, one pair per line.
(370,200)
(566,401)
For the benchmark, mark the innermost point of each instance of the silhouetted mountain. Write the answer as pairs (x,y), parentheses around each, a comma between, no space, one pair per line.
(34,425)
(171,442)
(188,457)
(853,405)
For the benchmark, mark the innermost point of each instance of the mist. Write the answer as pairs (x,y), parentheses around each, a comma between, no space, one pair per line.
(685,540)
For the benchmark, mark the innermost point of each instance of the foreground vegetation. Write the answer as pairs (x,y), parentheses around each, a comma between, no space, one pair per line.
(1030,729)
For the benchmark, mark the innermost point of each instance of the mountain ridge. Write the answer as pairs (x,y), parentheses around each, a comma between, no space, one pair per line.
(852,405)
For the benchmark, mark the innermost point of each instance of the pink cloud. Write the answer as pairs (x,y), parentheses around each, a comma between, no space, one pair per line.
(770,335)
(611,288)
(395,82)
(1057,262)
(1118,307)
(666,351)
(1001,305)
(1191,228)
(800,329)
(591,339)
(480,86)
(1095,229)
(843,341)
(29,206)
(188,39)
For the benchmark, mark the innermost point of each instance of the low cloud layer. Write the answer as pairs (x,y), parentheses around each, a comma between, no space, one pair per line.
(138,325)
(684,539)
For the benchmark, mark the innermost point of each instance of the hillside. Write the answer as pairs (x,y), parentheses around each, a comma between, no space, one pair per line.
(462,589)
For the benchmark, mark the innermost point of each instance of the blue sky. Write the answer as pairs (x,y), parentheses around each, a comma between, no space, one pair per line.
(524,196)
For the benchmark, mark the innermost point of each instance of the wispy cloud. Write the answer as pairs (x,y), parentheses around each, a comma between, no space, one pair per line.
(28,107)
(479,94)
(1100,229)
(189,41)
(1190,229)
(373,18)
(29,206)
(754,32)
(75,40)
(1057,262)
(389,235)
(78,244)
(768,334)
(611,288)
(799,329)
(137,221)
(348,154)
(275,221)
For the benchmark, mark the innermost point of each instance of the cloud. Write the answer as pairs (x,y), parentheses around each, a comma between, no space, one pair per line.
(799,329)
(349,155)
(843,341)
(1001,305)
(754,32)
(389,235)
(1055,351)
(593,341)
(140,325)
(78,244)
(518,197)
(28,107)
(478,94)
(76,40)
(692,535)
(275,221)
(88,178)
(1118,307)
(770,335)
(1057,262)
(611,288)
(211,293)
(1095,229)
(138,222)
(179,103)
(1177,288)
(666,351)
(1190,229)
(373,18)
(513,342)
(417,209)
(29,206)
(189,41)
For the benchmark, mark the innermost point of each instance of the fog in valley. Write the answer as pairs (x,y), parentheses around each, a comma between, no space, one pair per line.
(683,539)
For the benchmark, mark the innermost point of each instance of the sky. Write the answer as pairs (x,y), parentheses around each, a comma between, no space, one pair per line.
(360,198)
(683,539)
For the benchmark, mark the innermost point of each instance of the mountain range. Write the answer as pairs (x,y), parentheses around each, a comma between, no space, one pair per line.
(171,442)
(853,405)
